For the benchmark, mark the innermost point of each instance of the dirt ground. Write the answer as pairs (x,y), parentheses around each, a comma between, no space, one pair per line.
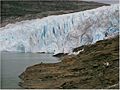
(97,67)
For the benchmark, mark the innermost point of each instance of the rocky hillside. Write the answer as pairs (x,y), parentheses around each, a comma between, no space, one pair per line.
(12,11)
(96,67)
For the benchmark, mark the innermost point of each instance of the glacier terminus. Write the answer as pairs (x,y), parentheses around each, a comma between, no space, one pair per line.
(61,33)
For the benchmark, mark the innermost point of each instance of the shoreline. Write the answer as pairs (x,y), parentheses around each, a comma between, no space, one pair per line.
(92,68)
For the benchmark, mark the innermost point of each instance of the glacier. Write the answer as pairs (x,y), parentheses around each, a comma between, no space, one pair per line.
(61,33)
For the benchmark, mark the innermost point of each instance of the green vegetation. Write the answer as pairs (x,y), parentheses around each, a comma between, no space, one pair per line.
(20,8)
(12,11)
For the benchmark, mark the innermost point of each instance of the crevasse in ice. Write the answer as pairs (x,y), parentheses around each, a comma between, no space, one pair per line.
(61,33)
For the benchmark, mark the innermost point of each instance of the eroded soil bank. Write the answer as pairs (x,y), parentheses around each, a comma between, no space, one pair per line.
(96,67)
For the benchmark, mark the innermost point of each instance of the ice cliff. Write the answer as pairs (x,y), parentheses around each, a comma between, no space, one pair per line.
(61,33)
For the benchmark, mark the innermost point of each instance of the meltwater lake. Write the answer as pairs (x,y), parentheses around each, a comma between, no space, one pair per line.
(13,64)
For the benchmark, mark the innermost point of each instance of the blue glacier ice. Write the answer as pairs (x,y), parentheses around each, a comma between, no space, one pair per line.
(61,33)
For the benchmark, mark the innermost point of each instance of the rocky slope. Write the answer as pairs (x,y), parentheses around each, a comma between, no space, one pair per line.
(12,11)
(96,67)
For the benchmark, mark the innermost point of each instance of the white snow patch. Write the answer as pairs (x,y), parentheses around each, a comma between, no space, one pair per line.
(76,53)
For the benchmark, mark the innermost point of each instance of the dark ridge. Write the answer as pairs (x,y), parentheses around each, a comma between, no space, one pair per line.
(60,54)
(12,11)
